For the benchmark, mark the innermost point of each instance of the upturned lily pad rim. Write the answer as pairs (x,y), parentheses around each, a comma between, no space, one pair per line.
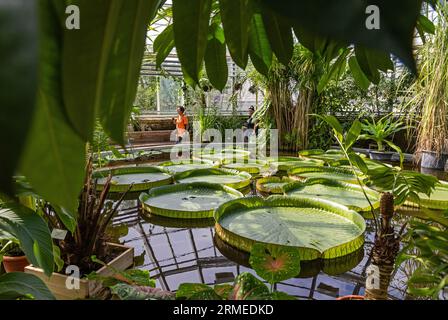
(307,253)
(430,203)
(297,171)
(167,164)
(182,214)
(338,184)
(261,187)
(252,167)
(115,171)
(246,177)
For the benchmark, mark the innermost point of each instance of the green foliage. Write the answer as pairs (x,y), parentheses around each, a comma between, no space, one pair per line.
(18,51)
(19,285)
(275,265)
(426,247)
(382,129)
(32,233)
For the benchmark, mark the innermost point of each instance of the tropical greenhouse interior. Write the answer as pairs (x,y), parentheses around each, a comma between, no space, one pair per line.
(223,150)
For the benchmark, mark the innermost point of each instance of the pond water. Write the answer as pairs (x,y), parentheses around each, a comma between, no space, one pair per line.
(176,252)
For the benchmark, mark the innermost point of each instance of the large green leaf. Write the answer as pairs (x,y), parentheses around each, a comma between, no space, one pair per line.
(163,45)
(334,72)
(196,291)
(190,33)
(317,228)
(236,18)
(18,78)
(123,68)
(346,20)
(275,265)
(101,79)
(54,157)
(259,48)
(216,59)
(32,232)
(280,36)
(16,285)
(360,78)
(248,287)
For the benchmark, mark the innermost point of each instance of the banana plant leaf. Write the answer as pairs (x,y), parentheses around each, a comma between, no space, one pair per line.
(182,166)
(330,173)
(231,178)
(141,178)
(272,185)
(349,195)
(318,228)
(187,200)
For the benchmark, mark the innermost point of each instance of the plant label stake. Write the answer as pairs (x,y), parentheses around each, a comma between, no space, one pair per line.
(373,277)
(58,234)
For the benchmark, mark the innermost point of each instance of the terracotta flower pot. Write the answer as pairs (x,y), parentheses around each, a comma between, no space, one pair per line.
(15,264)
(351,297)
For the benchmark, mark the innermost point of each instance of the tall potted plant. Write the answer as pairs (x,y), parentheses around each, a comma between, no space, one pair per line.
(430,95)
(87,237)
(379,131)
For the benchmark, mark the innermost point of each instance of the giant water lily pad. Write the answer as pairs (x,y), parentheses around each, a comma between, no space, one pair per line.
(231,178)
(349,195)
(437,200)
(318,228)
(272,185)
(223,155)
(182,166)
(141,178)
(328,156)
(253,167)
(286,163)
(331,173)
(187,201)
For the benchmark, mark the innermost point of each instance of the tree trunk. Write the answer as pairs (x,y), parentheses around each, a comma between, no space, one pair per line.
(385,250)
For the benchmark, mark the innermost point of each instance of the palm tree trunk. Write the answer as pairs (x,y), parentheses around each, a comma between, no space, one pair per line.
(385,250)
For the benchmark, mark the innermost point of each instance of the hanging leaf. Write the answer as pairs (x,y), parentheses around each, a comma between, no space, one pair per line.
(359,76)
(335,71)
(123,68)
(216,59)
(101,79)
(18,76)
(366,65)
(191,25)
(54,157)
(163,45)
(259,48)
(346,20)
(275,265)
(236,18)
(280,36)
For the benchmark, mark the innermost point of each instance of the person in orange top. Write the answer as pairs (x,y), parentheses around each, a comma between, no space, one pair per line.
(181,122)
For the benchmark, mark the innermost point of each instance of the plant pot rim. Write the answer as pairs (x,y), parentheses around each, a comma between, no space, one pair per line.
(433,152)
(381,152)
(13,258)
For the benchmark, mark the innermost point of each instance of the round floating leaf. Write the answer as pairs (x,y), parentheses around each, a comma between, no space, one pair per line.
(187,200)
(276,264)
(349,195)
(286,163)
(318,228)
(182,166)
(254,167)
(437,200)
(142,178)
(231,178)
(330,173)
(272,185)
